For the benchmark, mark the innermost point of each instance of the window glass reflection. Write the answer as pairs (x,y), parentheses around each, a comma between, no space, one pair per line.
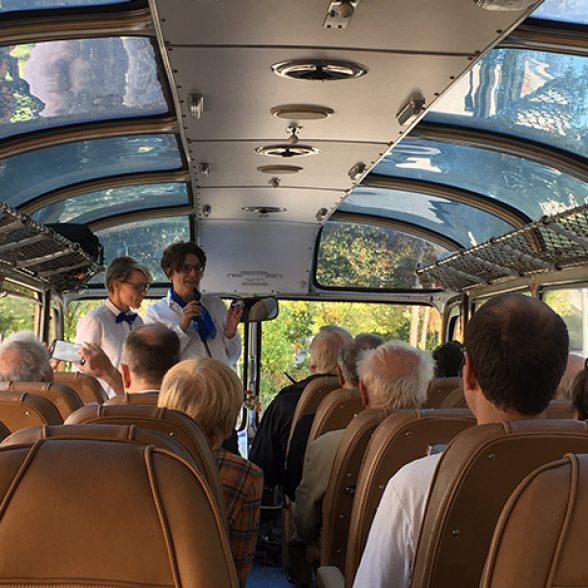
(572,11)
(14,5)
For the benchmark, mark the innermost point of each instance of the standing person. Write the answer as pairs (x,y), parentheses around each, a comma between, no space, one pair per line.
(203,323)
(108,325)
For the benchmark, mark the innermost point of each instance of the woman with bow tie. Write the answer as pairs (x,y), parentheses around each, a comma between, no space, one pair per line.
(108,325)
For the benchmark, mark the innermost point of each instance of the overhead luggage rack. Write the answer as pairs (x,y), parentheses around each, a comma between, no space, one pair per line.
(552,243)
(40,257)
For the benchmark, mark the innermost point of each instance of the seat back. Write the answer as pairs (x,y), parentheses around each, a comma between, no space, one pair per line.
(335,412)
(61,396)
(4,431)
(169,422)
(401,438)
(313,394)
(541,534)
(87,387)
(439,388)
(146,519)
(147,398)
(454,399)
(342,485)
(19,410)
(560,409)
(475,476)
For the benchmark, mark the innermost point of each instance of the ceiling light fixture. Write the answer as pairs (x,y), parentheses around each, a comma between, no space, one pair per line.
(279,169)
(286,150)
(410,111)
(320,70)
(264,211)
(302,112)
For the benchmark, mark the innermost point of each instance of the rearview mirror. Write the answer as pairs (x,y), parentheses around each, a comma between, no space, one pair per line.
(258,309)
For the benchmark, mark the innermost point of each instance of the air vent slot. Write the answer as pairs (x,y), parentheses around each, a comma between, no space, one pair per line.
(319,70)
(279,169)
(287,151)
(264,210)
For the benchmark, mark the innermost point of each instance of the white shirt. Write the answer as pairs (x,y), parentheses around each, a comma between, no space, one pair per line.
(390,548)
(99,326)
(169,313)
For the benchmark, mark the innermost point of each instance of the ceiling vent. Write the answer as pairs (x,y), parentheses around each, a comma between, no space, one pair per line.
(302,112)
(279,169)
(287,151)
(319,70)
(264,211)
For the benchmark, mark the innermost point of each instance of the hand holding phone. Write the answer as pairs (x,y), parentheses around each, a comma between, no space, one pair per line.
(66,351)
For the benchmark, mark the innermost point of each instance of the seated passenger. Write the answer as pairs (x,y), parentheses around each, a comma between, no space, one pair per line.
(395,375)
(211,393)
(579,393)
(23,358)
(574,366)
(349,380)
(269,446)
(516,354)
(449,360)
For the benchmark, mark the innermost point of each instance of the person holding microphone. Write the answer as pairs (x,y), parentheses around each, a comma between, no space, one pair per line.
(205,326)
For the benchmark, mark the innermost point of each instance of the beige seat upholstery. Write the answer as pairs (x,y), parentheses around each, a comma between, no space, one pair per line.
(169,422)
(401,438)
(439,388)
(454,399)
(147,398)
(560,409)
(19,410)
(476,475)
(87,387)
(147,519)
(61,396)
(541,535)
(335,412)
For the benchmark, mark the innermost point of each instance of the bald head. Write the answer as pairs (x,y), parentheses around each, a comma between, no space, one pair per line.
(325,348)
(23,358)
(518,350)
(395,375)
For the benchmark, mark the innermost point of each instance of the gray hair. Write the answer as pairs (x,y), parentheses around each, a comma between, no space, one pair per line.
(23,358)
(121,268)
(395,375)
(325,347)
(349,355)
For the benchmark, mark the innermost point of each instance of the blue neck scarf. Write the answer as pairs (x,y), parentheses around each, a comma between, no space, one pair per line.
(203,324)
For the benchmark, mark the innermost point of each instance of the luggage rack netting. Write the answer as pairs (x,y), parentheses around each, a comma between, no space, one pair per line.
(550,243)
(36,253)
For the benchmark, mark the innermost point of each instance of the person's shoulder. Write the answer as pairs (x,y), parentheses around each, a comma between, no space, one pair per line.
(157,306)
(94,315)
(232,461)
(417,473)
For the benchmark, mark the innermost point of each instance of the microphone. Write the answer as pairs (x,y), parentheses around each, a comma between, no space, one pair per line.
(196,295)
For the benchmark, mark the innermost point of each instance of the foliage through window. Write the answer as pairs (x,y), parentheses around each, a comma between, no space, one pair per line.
(16,314)
(572,305)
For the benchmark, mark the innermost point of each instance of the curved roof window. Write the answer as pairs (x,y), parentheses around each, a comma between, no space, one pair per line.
(93,206)
(571,11)
(144,240)
(533,95)
(16,5)
(361,255)
(462,223)
(57,83)
(28,175)
(532,188)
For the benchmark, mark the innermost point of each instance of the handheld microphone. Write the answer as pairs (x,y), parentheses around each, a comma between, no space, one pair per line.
(196,295)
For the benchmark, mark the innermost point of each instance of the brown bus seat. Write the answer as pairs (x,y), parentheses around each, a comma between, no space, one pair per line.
(147,398)
(401,438)
(4,431)
(541,534)
(108,514)
(560,409)
(20,410)
(170,422)
(475,476)
(61,396)
(335,412)
(454,399)
(338,499)
(87,387)
(439,388)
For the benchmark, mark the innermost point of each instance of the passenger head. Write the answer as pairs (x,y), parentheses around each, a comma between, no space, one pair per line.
(23,358)
(574,366)
(206,390)
(449,359)
(394,375)
(184,263)
(579,393)
(348,356)
(127,282)
(325,347)
(517,349)
(148,353)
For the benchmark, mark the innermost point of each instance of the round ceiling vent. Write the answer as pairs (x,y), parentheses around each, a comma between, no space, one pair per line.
(319,70)
(287,151)
(279,169)
(264,210)
(302,112)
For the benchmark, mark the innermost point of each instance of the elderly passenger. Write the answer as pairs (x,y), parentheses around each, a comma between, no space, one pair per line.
(23,358)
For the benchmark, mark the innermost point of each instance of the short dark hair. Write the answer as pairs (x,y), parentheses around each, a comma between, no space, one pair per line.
(518,348)
(174,255)
(150,351)
(579,393)
(449,359)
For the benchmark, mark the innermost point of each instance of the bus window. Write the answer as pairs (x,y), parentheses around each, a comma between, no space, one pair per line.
(285,340)
(17,313)
(572,305)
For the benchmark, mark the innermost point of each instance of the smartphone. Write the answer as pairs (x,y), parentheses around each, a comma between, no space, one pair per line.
(65,351)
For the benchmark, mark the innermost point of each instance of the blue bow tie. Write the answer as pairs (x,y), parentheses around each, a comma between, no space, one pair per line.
(128,317)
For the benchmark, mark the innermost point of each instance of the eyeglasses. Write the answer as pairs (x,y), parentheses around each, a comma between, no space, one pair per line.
(186,268)
(138,288)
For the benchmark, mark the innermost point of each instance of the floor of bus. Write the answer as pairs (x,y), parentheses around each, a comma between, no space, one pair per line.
(266,577)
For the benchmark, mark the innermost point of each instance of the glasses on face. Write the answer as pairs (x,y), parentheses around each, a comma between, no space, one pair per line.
(186,268)
(138,288)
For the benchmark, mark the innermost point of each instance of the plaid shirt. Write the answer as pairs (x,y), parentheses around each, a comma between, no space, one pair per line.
(242,484)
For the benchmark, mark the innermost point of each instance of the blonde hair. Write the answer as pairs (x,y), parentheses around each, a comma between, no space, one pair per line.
(121,268)
(206,390)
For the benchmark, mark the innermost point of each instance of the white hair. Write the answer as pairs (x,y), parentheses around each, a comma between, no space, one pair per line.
(23,358)
(395,375)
